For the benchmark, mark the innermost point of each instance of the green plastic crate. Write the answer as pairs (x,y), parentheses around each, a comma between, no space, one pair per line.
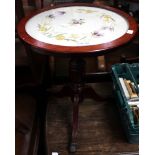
(131,72)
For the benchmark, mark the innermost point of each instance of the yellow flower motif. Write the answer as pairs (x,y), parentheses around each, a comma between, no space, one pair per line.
(107,18)
(74,36)
(89,11)
(85,11)
(43,27)
(60,37)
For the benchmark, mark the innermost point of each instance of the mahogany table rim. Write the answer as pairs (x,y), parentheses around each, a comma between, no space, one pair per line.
(76,50)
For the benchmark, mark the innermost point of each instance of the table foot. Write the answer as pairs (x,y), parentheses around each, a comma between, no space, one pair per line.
(72,147)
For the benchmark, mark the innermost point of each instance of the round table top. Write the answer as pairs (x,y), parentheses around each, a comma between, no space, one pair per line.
(77,28)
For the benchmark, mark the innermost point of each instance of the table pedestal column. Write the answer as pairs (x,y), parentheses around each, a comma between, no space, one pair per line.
(76,73)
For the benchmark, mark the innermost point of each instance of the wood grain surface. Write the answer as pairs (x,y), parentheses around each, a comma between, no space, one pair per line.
(100,131)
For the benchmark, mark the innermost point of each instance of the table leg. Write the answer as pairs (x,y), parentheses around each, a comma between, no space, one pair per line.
(76,73)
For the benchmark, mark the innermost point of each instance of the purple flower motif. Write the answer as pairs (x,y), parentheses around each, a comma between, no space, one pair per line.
(97,34)
(111,28)
(61,12)
(104,28)
(77,21)
(51,16)
(108,28)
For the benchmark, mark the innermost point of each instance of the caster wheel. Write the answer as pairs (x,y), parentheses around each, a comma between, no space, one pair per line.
(72,148)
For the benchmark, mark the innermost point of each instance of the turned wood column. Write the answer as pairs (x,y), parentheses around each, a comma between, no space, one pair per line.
(76,73)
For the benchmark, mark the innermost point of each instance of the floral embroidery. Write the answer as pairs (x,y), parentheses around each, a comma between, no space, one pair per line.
(51,16)
(44,27)
(68,39)
(61,12)
(110,28)
(77,21)
(97,34)
(60,37)
(85,11)
(107,18)
(74,30)
(74,36)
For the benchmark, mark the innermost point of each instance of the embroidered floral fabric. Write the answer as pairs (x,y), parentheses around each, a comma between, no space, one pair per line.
(76,26)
